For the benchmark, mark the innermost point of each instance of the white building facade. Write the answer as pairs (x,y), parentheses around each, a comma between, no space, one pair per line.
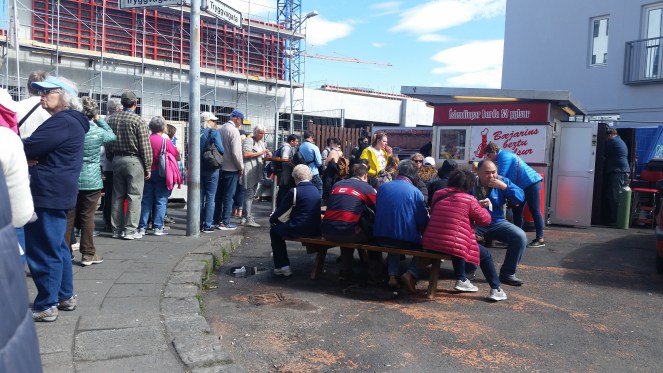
(607,53)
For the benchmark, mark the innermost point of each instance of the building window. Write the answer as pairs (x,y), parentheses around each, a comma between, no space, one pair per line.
(599,41)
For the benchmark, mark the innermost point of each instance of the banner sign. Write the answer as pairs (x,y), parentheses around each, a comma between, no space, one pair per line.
(528,142)
(511,113)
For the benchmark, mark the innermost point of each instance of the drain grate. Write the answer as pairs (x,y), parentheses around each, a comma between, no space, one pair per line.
(262,299)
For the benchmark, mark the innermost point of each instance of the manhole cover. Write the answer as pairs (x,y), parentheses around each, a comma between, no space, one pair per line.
(262,299)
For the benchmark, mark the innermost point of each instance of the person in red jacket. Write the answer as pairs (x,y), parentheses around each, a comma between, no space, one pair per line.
(454,211)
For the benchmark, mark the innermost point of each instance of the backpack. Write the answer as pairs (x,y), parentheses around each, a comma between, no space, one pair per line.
(343,167)
(277,167)
(298,158)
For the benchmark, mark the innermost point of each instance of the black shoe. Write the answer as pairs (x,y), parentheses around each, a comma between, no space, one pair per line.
(537,242)
(511,280)
(207,230)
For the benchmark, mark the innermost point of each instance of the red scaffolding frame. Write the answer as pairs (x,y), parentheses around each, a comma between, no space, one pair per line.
(163,36)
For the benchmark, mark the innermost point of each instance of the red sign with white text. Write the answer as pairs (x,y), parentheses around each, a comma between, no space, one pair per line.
(498,113)
(529,142)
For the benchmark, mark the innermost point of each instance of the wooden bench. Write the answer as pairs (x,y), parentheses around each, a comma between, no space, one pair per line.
(319,246)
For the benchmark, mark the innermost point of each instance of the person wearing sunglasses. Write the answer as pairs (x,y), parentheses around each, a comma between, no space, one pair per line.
(55,155)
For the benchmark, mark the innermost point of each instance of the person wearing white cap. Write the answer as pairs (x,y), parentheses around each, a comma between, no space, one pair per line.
(209,176)
(55,151)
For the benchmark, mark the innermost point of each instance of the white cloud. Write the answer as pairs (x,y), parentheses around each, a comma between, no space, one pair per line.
(378,45)
(254,8)
(436,38)
(320,31)
(443,14)
(386,8)
(476,64)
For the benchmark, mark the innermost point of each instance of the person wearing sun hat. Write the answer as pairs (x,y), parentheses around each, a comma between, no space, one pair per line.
(55,153)
(131,159)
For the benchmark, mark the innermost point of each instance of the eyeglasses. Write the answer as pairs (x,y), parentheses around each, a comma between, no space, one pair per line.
(46,92)
(418,160)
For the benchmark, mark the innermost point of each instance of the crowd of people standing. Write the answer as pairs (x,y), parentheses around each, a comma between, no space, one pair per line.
(73,156)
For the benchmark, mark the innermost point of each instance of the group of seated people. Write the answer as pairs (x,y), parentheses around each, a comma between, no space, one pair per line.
(464,206)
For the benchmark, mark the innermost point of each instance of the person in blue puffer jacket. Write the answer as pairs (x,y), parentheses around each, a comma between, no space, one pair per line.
(90,183)
(520,173)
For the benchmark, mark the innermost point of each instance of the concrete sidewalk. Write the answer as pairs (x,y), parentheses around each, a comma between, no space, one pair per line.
(139,310)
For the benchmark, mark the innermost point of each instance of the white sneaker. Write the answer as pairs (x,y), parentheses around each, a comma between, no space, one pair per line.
(134,236)
(497,295)
(76,246)
(141,231)
(283,271)
(159,232)
(251,223)
(465,286)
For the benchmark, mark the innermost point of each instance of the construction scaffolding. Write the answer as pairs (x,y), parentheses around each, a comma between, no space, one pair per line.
(107,50)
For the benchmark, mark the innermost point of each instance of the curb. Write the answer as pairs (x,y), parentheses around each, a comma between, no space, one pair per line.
(182,310)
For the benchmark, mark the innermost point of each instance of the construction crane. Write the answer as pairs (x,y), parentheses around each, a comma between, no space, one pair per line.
(344,59)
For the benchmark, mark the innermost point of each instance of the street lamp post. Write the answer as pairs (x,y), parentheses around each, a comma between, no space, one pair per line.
(292,56)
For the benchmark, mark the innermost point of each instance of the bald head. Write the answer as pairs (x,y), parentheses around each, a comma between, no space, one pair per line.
(487,170)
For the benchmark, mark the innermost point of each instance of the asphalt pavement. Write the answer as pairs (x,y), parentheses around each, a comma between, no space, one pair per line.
(591,302)
(139,310)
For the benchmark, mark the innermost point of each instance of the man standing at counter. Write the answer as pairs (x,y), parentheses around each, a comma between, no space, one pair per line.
(520,173)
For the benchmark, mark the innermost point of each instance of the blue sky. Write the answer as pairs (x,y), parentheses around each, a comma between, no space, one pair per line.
(449,43)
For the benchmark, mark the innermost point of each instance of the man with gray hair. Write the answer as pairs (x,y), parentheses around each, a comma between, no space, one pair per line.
(131,157)
(112,106)
(30,115)
(400,216)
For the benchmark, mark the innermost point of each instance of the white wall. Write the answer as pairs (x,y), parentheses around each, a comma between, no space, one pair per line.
(547,46)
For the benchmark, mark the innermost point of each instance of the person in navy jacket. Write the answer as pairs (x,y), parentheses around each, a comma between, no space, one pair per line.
(616,169)
(304,220)
(55,153)
(515,169)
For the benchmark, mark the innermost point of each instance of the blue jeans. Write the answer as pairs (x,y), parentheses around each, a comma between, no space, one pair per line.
(49,258)
(227,185)
(317,181)
(238,197)
(533,199)
(208,185)
(154,193)
(486,264)
(515,239)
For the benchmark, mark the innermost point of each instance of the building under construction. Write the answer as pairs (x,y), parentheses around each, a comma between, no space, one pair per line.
(255,68)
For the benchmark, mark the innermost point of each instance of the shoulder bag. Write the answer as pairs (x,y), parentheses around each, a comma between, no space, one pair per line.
(286,215)
(162,159)
(212,158)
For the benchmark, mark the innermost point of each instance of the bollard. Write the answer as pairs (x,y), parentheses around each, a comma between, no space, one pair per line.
(624,207)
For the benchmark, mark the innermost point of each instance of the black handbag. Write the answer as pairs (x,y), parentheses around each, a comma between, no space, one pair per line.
(212,158)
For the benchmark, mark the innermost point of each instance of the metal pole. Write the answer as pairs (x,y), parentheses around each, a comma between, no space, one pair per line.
(193,185)
(292,90)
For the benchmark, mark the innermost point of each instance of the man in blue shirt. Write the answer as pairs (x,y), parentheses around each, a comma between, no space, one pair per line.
(313,158)
(492,191)
(400,216)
